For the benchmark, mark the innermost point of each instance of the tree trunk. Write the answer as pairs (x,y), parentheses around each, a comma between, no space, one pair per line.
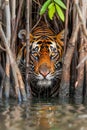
(65,82)
(80,88)
(19,85)
(8,36)
(28,9)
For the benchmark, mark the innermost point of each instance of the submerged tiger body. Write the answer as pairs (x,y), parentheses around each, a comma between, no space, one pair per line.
(45,63)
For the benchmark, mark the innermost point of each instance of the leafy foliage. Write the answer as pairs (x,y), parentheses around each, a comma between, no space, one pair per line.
(53,6)
(44,7)
(51,10)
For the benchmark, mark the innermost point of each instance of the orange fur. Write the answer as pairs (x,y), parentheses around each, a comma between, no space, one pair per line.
(44,35)
(44,60)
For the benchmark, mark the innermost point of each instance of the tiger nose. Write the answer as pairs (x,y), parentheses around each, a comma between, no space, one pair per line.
(44,70)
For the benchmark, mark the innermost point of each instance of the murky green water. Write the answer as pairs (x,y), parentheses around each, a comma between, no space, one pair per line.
(42,115)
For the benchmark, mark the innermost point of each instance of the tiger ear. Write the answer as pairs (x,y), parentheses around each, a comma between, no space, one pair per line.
(22,35)
(60,38)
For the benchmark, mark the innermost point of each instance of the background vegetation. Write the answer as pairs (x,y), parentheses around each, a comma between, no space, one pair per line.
(16,15)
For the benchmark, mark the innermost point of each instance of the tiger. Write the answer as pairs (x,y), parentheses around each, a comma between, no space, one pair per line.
(45,61)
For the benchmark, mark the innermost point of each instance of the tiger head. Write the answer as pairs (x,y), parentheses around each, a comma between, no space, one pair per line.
(45,64)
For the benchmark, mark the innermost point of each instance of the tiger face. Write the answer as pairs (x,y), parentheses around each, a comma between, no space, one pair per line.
(45,64)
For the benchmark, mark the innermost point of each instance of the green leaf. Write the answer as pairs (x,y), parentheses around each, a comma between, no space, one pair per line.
(60,3)
(51,10)
(60,12)
(44,7)
(51,5)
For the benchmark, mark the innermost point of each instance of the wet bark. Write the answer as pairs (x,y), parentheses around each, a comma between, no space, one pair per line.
(2,79)
(79,14)
(80,76)
(14,36)
(28,10)
(65,82)
(66,26)
(8,36)
(80,91)
(19,85)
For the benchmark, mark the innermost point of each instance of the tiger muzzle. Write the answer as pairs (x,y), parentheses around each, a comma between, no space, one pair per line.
(44,70)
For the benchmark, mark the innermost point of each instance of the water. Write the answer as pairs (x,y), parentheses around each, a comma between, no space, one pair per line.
(42,115)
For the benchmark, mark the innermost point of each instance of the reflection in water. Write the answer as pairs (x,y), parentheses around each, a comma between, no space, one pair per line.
(42,115)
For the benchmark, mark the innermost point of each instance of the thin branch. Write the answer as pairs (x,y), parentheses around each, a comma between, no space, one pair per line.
(83,60)
(81,19)
(36,23)
(8,21)
(65,82)
(17,21)
(66,25)
(2,48)
(17,75)
(13,4)
(27,46)
(8,37)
